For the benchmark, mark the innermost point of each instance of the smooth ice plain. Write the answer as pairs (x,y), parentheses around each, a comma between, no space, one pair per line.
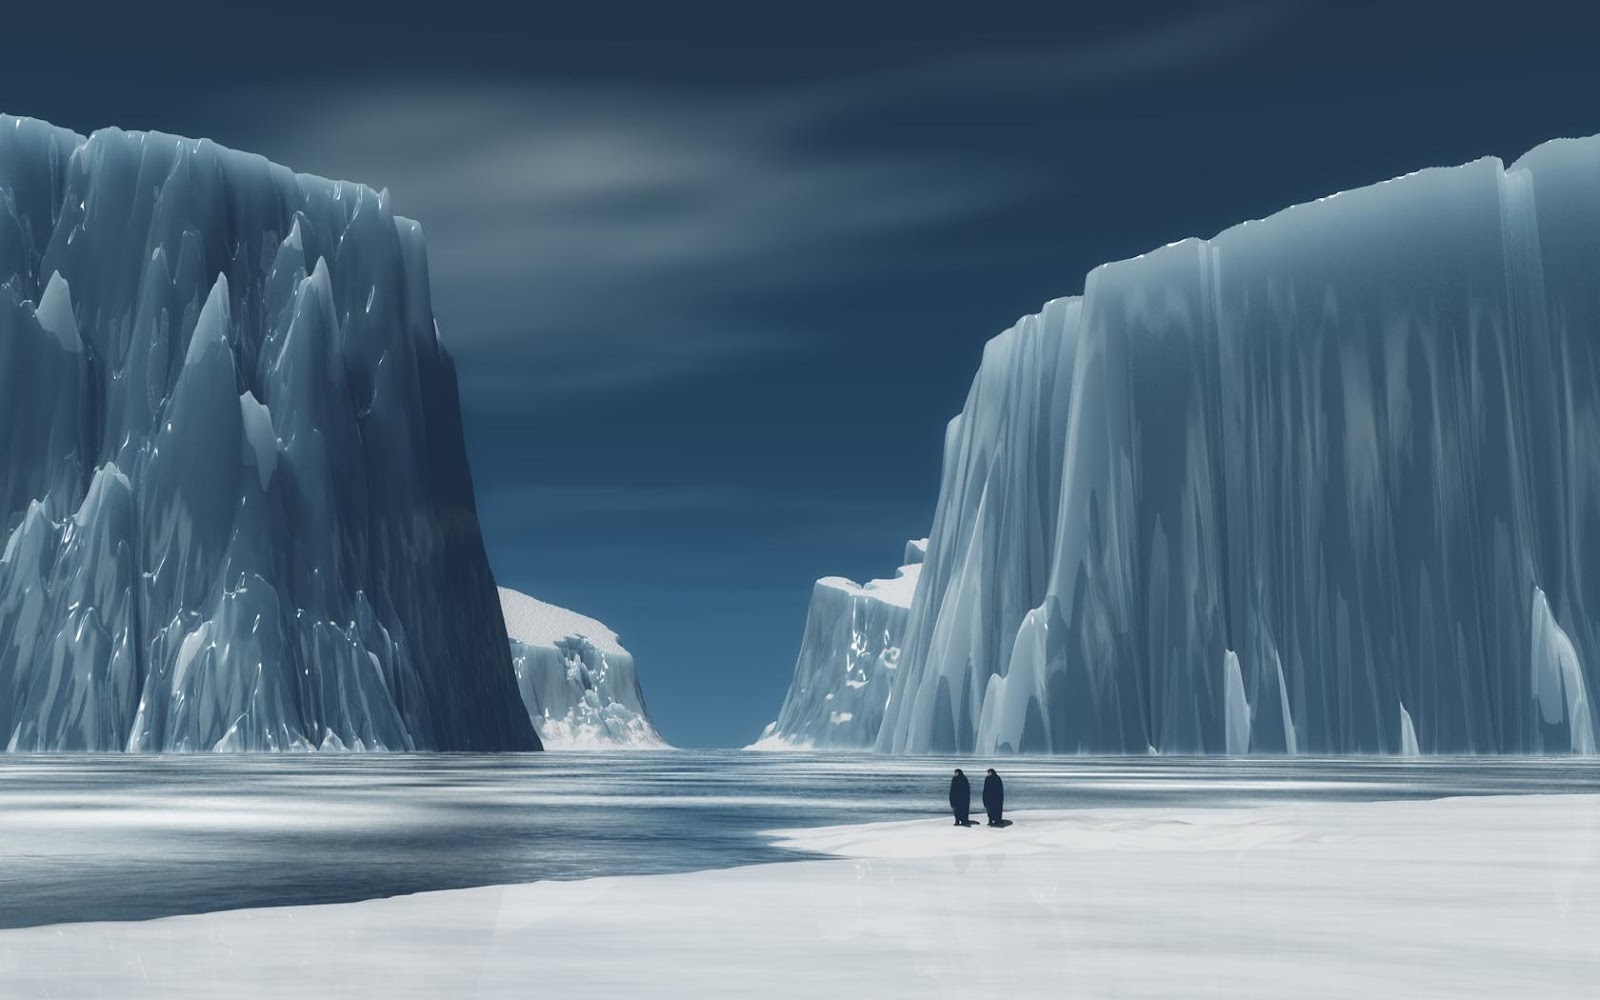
(797,875)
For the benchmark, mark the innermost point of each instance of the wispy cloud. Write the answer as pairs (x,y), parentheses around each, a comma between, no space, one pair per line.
(583,238)
(1160,47)
(586,238)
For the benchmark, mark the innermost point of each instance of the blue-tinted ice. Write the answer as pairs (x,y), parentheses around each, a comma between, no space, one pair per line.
(234,495)
(1326,483)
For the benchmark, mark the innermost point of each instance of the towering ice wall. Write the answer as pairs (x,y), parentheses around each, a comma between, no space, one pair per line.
(577,682)
(848,657)
(1326,483)
(234,500)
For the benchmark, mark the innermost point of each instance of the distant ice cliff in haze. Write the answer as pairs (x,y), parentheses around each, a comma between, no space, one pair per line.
(848,656)
(577,682)
(234,500)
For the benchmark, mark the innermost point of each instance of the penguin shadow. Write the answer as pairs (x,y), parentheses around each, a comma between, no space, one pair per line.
(970,822)
(1002,824)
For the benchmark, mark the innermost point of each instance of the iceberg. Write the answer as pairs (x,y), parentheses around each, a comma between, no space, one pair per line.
(848,656)
(577,681)
(1325,483)
(235,505)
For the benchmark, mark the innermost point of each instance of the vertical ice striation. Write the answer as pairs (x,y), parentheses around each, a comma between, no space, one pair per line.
(988,557)
(1565,716)
(1408,735)
(1325,483)
(847,661)
(234,496)
(577,682)
(1236,707)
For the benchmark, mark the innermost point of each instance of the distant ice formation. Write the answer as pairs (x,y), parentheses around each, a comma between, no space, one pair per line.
(848,656)
(234,499)
(577,682)
(1327,483)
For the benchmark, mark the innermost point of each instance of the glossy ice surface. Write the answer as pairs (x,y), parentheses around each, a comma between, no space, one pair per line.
(235,508)
(115,837)
(1326,483)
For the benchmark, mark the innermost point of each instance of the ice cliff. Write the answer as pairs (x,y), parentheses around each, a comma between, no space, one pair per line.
(848,656)
(234,496)
(1326,483)
(577,682)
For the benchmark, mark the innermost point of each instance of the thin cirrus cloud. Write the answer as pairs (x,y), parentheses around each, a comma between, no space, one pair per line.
(585,238)
(582,240)
(1164,46)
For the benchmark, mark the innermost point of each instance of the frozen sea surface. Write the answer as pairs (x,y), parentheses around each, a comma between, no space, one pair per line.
(132,837)
(1447,899)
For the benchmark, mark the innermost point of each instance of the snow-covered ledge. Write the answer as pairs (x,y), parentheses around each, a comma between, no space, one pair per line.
(576,679)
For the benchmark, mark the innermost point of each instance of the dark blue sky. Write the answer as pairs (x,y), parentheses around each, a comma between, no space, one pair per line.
(717,275)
